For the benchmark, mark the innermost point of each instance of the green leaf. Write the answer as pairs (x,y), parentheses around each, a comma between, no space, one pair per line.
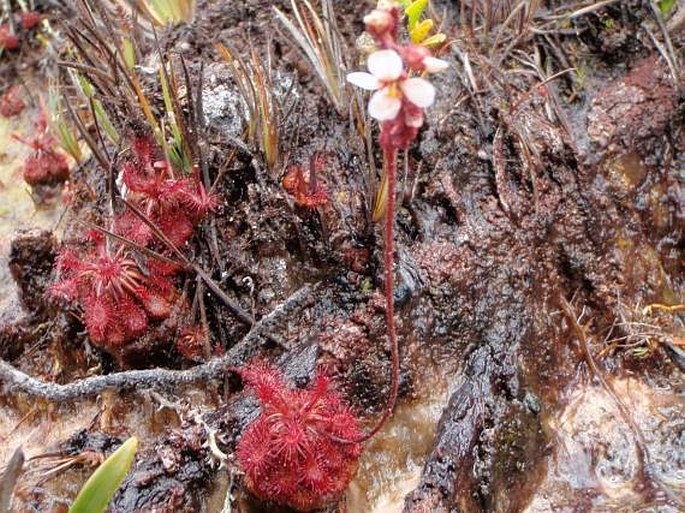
(666,6)
(101,486)
(170,11)
(59,126)
(166,92)
(129,52)
(177,150)
(414,12)
(434,40)
(103,119)
(421,31)
(86,86)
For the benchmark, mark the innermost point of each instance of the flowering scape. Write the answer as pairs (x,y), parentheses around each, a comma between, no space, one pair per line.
(401,95)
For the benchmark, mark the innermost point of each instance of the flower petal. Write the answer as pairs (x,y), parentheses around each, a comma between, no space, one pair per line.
(364,80)
(434,65)
(418,91)
(385,65)
(384,106)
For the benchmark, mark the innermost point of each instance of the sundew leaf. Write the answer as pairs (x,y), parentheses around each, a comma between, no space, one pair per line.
(101,486)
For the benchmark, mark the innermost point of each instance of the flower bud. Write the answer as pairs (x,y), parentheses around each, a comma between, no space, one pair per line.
(379,21)
(386,5)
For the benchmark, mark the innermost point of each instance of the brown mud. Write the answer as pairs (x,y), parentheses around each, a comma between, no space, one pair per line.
(535,224)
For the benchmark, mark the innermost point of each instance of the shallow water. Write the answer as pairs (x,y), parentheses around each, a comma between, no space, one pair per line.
(392,463)
(595,462)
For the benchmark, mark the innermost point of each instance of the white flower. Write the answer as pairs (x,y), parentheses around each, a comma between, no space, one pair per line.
(385,77)
(434,65)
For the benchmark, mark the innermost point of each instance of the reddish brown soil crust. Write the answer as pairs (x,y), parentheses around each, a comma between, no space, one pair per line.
(634,108)
(485,251)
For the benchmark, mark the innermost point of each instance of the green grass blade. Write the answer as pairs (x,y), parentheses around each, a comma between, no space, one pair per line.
(104,121)
(101,486)
(129,52)
(666,6)
(166,93)
(59,126)
(86,86)
(414,12)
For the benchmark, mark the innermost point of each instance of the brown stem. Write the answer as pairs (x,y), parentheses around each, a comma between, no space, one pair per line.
(390,156)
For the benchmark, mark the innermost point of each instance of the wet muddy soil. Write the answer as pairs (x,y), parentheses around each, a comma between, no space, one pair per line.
(539,273)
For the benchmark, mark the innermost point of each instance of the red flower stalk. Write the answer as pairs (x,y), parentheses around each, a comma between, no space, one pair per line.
(291,454)
(10,103)
(398,103)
